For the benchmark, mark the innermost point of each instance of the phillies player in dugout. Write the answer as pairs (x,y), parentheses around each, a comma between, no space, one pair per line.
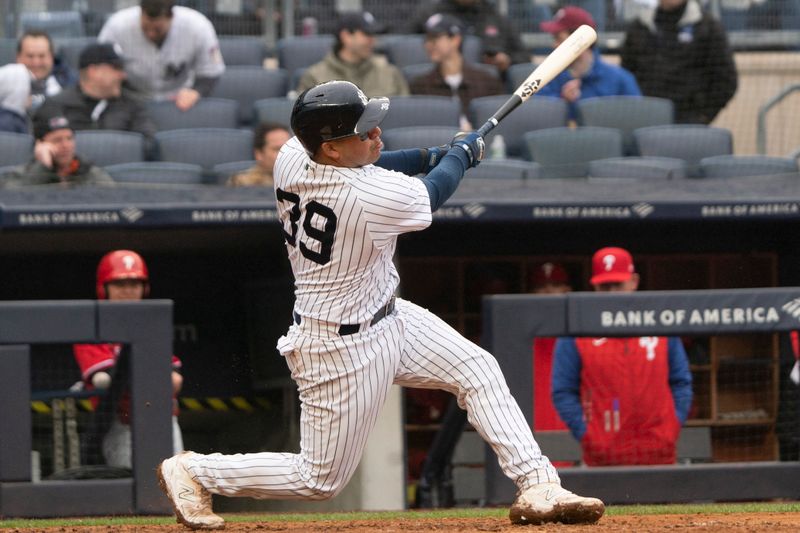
(623,399)
(121,276)
(342,204)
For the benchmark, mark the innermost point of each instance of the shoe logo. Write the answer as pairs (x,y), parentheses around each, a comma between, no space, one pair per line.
(548,495)
(186,493)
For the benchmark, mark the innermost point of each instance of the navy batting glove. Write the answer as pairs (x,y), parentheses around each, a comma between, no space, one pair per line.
(472,144)
(431,156)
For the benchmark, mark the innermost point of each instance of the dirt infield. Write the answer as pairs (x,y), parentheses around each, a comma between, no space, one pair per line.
(733,522)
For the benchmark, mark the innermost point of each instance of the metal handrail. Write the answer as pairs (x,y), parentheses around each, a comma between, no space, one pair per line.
(761,128)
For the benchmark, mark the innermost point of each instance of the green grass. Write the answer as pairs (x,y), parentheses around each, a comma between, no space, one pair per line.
(614,510)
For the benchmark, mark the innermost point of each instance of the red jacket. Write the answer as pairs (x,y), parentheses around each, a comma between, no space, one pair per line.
(92,358)
(625,399)
(545,417)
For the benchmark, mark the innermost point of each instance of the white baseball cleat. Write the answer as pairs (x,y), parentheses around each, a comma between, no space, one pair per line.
(550,502)
(190,500)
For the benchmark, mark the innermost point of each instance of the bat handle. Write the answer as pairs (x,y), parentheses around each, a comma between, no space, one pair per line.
(488,126)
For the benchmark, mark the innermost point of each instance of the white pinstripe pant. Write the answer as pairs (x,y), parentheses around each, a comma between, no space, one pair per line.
(343,383)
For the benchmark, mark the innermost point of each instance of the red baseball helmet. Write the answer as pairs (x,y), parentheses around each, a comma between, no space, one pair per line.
(121,264)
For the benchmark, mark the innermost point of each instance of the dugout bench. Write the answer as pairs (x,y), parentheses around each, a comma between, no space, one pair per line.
(146,328)
(512,321)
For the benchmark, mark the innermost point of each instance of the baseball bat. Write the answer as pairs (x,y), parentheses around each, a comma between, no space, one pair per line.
(552,66)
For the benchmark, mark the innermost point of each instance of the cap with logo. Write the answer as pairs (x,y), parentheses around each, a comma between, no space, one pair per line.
(47,120)
(441,24)
(359,20)
(100,54)
(611,265)
(551,273)
(569,19)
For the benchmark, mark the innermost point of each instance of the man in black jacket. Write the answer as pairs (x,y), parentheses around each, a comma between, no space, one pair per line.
(99,101)
(679,52)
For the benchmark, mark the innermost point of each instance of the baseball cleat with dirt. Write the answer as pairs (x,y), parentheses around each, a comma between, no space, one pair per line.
(190,500)
(550,502)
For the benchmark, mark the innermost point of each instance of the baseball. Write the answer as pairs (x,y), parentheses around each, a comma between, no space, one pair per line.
(101,380)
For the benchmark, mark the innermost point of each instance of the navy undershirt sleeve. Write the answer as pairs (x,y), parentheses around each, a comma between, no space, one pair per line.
(443,180)
(406,161)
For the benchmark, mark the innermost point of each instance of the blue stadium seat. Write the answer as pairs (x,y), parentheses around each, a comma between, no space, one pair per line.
(69,50)
(206,113)
(415,137)
(205,146)
(734,166)
(274,110)
(690,142)
(57,24)
(566,152)
(420,110)
(247,84)
(8,51)
(110,147)
(625,113)
(224,171)
(240,51)
(15,148)
(539,112)
(516,74)
(504,169)
(157,172)
(300,52)
(637,167)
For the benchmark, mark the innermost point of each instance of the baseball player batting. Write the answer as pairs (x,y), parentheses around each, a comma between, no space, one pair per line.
(343,204)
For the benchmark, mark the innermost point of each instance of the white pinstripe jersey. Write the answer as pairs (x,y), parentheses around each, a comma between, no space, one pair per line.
(341,227)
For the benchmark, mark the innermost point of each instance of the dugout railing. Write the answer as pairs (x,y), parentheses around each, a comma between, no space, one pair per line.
(512,321)
(146,330)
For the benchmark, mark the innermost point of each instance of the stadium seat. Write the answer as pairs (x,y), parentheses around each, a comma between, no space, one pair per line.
(206,113)
(409,49)
(157,172)
(241,51)
(504,169)
(110,147)
(566,152)
(690,142)
(57,24)
(247,84)
(633,167)
(69,50)
(415,137)
(538,113)
(418,110)
(274,110)
(625,113)
(516,74)
(205,146)
(299,52)
(223,171)
(15,148)
(8,51)
(733,166)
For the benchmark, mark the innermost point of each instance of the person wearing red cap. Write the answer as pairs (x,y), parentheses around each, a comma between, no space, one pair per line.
(588,76)
(121,276)
(546,278)
(623,399)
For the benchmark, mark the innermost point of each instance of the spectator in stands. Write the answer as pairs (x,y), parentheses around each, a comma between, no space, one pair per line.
(15,98)
(501,42)
(678,51)
(352,59)
(54,159)
(452,75)
(546,278)
(623,399)
(49,75)
(588,75)
(267,141)
(100,101)
(121,276)
(171,52)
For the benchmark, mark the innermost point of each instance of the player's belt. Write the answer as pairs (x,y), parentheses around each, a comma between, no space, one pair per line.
(349,329)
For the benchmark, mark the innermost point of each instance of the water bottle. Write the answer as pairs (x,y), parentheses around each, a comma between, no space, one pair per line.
(497,150)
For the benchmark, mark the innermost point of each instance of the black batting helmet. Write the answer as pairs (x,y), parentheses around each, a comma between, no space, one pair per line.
(333,110)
